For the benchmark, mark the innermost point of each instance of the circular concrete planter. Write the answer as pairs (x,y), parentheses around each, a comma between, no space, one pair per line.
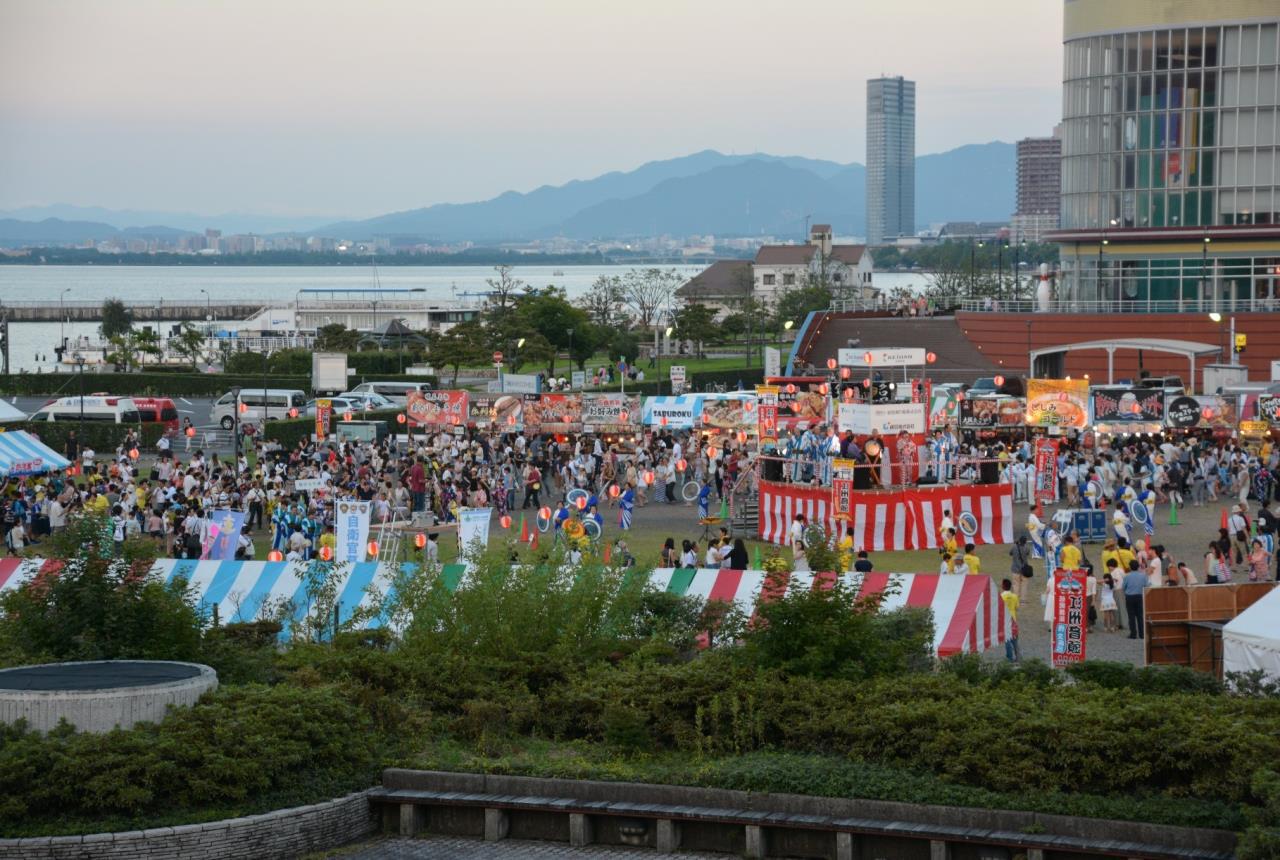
(98,696)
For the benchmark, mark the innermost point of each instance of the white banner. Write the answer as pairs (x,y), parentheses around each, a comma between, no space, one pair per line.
(351,524)
(880,357)
(678,411)
(772,362)
(888,418)
(309,485)
(516,383)
(473,525)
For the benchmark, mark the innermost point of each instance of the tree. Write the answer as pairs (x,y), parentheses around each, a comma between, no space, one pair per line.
(695,322)
(335,337)
(624,344)
(604,301)
(189,343)
(460,344)
(503,291)
(116,319)
(127,349)
(586,341)
(549,313)
(647,291)
(796,304)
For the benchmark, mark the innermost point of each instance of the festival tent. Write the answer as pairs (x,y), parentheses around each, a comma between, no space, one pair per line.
(23,454)
(1251,640)
(968,614)
(10,413)
(684,411)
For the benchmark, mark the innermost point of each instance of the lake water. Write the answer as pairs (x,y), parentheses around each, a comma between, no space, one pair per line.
(32,343)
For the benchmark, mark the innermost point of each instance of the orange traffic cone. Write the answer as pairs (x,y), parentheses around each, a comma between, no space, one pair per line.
(1224,518)
(607,553)
(534,543)
(524,530)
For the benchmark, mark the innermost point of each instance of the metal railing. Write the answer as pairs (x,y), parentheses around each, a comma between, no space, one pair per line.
(1120,306)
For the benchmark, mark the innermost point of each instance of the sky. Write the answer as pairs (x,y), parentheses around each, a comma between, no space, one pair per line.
(318,107)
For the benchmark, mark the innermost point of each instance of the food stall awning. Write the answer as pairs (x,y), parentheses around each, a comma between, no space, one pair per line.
(23,454)
(1189,349)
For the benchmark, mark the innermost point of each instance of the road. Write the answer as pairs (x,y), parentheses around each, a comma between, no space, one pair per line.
(449,848)
(195,408)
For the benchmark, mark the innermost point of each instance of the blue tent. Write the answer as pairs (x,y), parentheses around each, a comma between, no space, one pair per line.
(23,454)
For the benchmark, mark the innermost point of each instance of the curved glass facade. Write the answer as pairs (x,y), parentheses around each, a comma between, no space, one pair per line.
(1172,127)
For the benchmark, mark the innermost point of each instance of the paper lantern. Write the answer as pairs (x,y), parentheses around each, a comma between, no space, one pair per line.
(614,492)
(420,540)
(791,388)
(742,436)
(712,453)
(544,512)
(664,421)
(133,453)
(581,503)
(346,416)
(191,431)
(999,381)
(244,407)
(504,521)
(822,389)
(326,553)
(275,555)
(930,357)
(682,464)
(648,476)
(866,356)
(568,419)
(832,364)
(511,420)
(866,382)
(1207,413)
(959,396)
(293,413)
(846,372)
(400,419)
(796,406)
(624,416)
(872,448)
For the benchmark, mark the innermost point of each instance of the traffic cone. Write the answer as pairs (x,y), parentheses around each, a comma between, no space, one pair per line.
(1224,518)
(524,530)
(534,543)
(607,553)
(759,564)
(1173,512)
(724,509)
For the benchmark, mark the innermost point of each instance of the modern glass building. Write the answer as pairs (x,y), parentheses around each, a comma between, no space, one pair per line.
(891,159)
(1171,155)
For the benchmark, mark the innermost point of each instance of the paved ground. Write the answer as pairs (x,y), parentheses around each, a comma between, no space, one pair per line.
(441,848)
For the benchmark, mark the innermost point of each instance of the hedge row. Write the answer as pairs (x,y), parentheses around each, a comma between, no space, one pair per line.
(165,383)
(104,439)
(297,362)
(291,431)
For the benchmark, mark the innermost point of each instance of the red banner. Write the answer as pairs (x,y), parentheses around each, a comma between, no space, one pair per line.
(1070,616)
(1046,470)
(842,489)
(767,414)
(436,407)
(922,391)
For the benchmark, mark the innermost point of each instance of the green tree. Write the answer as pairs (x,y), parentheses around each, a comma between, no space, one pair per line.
(462,344)
(696,322)
(189,343)
(549,313)
(335,337)
(624,344)
(116,319)
(648,291)
(127,349)
(605,301)
(796,304)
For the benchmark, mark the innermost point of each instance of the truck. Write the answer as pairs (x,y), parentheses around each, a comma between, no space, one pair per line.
(328,372)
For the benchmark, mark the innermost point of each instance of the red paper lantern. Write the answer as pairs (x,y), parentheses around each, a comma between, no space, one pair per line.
(191,431)
(581,503)
(544,512)
(791,388)
(244,407)
(822,389)
(420,540)
(832,364)
(866,382)
(346,416)
(293,413)
(614,492)
(664,421)
(133,453)
(504,521)
(712,453)
(1207,413)
(742,436)
(648,476)
(623,416)
(400,419)
(682,464)
(511,420)
(326,553)
(930,357)
(275,555)
(999,381)
(373,549)
(866,356)
(846,372)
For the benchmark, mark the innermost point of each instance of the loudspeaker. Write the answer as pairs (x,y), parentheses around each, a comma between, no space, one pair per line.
(771,470)
(926,480)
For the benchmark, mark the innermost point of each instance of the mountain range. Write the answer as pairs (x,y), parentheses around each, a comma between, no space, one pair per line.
(706,192)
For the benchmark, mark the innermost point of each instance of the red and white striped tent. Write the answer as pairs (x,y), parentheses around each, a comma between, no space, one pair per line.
(891,519)
(968,614)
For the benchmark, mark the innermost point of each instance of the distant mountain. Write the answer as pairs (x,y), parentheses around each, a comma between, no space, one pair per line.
(187,222)
(709,192)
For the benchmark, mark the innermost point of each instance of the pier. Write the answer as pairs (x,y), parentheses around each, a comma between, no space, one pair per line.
(162,311)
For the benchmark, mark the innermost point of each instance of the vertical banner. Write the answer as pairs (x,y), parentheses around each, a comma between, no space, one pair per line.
(767,414)
(842,489)
(223,535)
(473,526)
(1046,487)
(772,361)
(922,391)
(351,526)
(1070,617)
(324,413)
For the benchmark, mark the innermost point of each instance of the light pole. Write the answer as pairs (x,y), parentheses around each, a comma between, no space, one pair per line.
(62,322)
(1204,271)
(673,390)
(1230,340)
(571,354)
(235,424)
(80,373)
(208,306)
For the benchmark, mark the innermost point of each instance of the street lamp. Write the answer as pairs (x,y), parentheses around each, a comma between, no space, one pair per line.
(673,390)
(62,322)
(79,359)
(1229,339)
(208,306)
(571,352)
(235,425)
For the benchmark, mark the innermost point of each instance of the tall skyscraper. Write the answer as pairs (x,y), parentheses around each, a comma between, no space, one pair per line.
(1039,187)
(891,159)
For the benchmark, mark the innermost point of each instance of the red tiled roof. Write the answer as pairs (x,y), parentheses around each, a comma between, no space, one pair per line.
(848,254)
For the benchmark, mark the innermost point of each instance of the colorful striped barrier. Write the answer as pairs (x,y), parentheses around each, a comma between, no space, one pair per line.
(967,611)
(886,520)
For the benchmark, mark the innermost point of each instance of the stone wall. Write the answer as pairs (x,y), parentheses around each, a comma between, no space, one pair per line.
(283,833)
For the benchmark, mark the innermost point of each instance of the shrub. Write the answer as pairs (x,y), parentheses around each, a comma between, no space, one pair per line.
(1147,679)
(163,384)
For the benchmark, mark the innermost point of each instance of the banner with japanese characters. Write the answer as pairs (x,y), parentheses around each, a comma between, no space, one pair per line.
(610,413)
(436,407)
(842,489)
(767,414)
(1046,477)
(1058,403)
(1070,616)
(1128,405)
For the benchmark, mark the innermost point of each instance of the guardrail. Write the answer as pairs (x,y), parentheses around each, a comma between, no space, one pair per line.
(1119,306)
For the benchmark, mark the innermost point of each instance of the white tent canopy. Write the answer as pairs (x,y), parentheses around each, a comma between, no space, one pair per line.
(1251,640)
(1188,349)
(10,413)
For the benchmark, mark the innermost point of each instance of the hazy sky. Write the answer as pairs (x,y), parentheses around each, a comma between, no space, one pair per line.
(359,108)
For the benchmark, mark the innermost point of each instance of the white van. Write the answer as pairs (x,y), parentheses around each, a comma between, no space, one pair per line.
(261,404)
(396,392)
(98,408)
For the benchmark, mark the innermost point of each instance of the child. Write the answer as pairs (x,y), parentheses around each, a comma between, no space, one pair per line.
(1108,596)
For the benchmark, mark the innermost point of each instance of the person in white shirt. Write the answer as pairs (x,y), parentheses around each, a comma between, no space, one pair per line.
(57,515)
(712,556)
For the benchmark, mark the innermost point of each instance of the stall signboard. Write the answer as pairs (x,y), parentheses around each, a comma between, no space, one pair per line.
(899,357)
(842,488)
(502,411)
(1046,474)
(677,377)
(1127,405)
(730,412)
(515,383)
(943,410)
(1269,408)
(1254,428)
(991,412)
(1070,617)
(1202,412)
(888,418)
(674,413)
(610,413)
(767,414)
(437,407)
(800,399)
(1061,403)
(554,413)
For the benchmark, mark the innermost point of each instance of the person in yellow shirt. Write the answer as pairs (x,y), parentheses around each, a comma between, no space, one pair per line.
(845,548)
(1110,552)
(1011,602)
(1124,555)
(328,539)
(949,544)
(971,561)
(1070,557)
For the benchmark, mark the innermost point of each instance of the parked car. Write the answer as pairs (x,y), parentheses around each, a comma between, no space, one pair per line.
(369,401)
(269,404)
(396,392)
